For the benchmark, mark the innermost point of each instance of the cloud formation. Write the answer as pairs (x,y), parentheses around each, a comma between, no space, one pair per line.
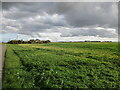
(68,19)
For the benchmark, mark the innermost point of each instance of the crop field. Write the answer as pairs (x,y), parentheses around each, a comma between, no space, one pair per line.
(62,65)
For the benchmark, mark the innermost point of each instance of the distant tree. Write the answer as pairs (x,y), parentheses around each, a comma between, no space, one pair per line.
(32,41)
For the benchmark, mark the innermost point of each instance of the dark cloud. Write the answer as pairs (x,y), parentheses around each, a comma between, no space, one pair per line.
(30,17)
(77,14)
(86,14)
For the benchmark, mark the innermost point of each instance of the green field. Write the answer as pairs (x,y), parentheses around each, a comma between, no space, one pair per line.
(62,65)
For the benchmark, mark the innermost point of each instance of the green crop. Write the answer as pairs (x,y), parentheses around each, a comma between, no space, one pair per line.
(62,65)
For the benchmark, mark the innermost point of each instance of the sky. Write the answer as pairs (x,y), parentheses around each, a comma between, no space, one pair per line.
(60,21)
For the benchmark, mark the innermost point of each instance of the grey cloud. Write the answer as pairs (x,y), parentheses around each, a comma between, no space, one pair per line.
(86,14)
(27,9)
(70,14)
(89,32)
(76,13)
(34,24)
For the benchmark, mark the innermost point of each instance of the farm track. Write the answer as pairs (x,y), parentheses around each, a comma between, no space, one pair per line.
(2,51)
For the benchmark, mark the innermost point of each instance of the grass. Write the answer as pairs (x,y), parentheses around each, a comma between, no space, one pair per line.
(62,65)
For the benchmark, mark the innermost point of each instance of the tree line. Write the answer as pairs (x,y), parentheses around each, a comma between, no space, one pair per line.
(32,41)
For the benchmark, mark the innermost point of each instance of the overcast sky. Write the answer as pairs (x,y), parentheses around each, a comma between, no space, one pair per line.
(60,21)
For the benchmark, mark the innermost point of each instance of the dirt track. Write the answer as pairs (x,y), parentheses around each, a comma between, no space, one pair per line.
(2,54)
